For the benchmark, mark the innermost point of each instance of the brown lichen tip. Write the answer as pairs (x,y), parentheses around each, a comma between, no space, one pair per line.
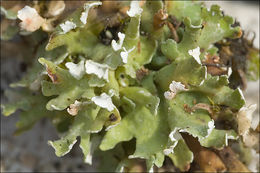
(159,19)
(141,73)
(53,76)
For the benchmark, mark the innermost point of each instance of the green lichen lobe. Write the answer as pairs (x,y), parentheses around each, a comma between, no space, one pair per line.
(121,96)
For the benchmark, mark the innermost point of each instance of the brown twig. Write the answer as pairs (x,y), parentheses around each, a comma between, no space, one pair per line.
(173,31)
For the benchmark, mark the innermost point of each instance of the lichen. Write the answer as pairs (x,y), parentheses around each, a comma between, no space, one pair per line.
(145,93)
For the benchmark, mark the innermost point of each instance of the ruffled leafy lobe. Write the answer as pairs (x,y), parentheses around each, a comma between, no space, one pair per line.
(65,86)
(138,73)
(30,103)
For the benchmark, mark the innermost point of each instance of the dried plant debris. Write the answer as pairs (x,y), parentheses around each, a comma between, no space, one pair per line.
(241,58)
(147,85)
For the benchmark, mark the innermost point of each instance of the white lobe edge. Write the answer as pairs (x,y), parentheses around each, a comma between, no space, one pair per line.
(229,71)
(202,82)
(30,18)
(241,93)
(169,95)
(145,93)
(170,150)
(26,12)
(192,157)
(124,54)
(205,77)
(104,101)
(135,156)
(156,107)
(111,92)
(93,131)
(117,46)
(76,70)
(174,136)
(77,103)
(84,15)
(73,108)
(211,126)
(88,159)
(67,26)
(56,108)
(194,135)
(195,53)
(121,169)
(195,26)
(206,73)
(227,137)
(176,86)
(70,146)
(100,70)
(151,169)
(135,9)
(111,126)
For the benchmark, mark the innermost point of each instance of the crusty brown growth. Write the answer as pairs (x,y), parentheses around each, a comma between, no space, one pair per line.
(203,106)
(234,53)
(187,108)
(214,65)
(141,73)
(139,47)
(112,117)
(53,76)
(73,109)
(159,19)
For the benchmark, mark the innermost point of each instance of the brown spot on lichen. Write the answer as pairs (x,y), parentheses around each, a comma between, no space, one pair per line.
(73,109)
(203,106)
(187,108)
(214,65)
(141,73)
(54,77)
(139,47)
(112,117)
(159,19)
